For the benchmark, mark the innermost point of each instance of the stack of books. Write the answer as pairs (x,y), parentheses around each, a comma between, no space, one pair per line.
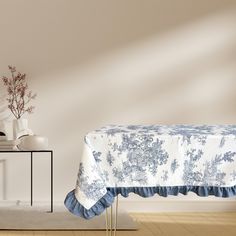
(8,145)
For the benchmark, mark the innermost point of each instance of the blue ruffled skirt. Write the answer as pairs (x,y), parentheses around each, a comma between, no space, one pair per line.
(77,209)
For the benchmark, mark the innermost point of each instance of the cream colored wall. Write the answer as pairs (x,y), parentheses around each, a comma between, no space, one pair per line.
(100,62)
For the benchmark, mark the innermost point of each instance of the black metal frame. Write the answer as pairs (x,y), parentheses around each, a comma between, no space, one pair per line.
(31,173)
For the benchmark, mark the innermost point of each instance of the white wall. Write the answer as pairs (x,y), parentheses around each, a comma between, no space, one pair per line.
(100,62)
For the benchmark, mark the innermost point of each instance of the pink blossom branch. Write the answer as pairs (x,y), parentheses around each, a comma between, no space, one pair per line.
(18,95)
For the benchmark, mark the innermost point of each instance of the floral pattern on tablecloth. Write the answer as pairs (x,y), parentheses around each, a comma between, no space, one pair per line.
(155,155)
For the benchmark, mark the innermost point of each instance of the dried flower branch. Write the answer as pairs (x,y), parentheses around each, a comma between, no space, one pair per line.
(18,95)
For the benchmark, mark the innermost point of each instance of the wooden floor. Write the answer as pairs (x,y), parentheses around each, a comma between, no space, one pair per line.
(165,224)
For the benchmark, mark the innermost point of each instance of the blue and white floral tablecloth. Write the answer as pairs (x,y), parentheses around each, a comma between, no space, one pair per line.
(153,159)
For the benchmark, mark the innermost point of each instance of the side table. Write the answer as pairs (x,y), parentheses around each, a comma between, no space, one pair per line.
(31,172)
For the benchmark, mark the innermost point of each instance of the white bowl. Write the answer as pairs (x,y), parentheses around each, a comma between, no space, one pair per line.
(33,142)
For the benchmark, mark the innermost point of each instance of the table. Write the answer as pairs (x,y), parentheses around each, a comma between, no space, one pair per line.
(153,159)
(31,172)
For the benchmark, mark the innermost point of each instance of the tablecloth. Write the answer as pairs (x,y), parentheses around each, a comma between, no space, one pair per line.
(153,159)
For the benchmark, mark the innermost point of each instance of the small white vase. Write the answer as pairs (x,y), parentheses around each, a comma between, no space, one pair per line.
(20,128)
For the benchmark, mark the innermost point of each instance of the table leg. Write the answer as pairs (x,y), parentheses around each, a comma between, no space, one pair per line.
(31,179)
(111,217)
(51,181)
(107,224)
(116,216)
(110,230)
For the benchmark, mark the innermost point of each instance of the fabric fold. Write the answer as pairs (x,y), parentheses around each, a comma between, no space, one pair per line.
(73,205)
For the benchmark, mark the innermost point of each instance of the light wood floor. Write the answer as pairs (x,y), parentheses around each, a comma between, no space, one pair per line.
(165,224)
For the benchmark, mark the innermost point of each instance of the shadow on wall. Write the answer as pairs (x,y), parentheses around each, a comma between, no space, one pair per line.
(43,36)
(4,114)
(184,76)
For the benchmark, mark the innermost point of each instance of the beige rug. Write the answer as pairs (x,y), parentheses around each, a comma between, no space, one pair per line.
(27,218)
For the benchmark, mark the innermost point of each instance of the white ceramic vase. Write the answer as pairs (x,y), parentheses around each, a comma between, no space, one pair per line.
(20,128)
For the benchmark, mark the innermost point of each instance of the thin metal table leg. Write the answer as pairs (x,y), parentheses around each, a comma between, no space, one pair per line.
(106,216)
(51,181)
(110,230)
(116,216)
(111,223)
(31,179)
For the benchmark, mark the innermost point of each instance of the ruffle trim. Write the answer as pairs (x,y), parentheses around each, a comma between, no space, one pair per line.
(77,209)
